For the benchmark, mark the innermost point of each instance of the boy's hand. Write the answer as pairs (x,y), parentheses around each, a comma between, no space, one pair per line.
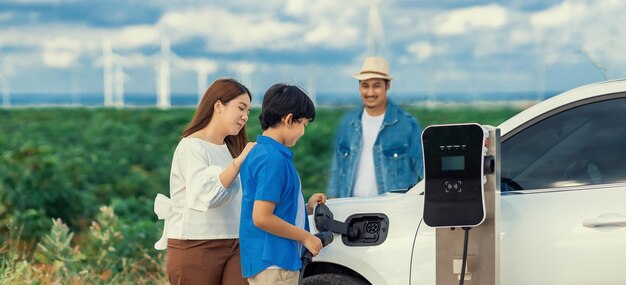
(317,198)
(313,244)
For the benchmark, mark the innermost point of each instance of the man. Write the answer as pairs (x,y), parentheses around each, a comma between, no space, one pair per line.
(378,146)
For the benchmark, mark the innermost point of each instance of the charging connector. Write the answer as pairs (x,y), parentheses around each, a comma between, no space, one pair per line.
(457,263)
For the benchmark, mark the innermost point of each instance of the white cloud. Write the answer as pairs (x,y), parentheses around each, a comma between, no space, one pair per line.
(36,36)
(329,36)
(6,16)
(499,35)
(296,8)
(134,60)
(205,66)
(61,52)
(135,36)
(319,34)
(23,37)
(520,36)
(581,32)
(323,10)
(328,23)
(423,50)
(225,31)
(200,65)
(460,21)
(559,15)
(242,67)
(320,23)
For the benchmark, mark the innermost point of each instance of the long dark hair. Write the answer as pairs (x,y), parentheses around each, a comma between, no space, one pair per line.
(223,90)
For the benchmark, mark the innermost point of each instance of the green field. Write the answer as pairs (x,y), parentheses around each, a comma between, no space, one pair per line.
(98,171)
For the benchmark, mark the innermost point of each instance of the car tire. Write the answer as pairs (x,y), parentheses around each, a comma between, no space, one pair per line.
(333,279)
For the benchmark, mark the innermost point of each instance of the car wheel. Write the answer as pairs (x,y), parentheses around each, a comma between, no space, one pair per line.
(333,279)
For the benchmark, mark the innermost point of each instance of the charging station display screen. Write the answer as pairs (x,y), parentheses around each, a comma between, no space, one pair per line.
(449,163)
(453,171)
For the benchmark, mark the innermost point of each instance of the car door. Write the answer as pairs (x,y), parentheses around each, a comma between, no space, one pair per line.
(564,196)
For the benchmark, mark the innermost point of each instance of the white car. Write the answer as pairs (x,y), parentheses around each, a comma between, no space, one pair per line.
(563,205)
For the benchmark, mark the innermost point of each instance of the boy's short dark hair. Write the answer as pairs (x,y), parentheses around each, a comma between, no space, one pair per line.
(282,99)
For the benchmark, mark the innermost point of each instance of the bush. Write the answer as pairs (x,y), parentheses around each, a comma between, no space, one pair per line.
(102,256)
(59,164)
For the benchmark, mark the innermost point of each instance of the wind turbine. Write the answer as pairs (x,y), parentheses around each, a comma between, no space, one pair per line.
(163,76)
(107,66)
(167,60)
(119,86)
(75,89)
(375,39)
(113,76)
(311,84)
(202,67)
(6,95)
(244,70)
(202,82)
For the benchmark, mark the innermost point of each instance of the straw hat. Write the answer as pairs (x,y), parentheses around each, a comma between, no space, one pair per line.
(374,67)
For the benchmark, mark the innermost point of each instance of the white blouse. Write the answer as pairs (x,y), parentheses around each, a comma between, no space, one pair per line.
(199,207)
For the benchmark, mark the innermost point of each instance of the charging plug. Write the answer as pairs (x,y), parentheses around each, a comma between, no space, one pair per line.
(457,263)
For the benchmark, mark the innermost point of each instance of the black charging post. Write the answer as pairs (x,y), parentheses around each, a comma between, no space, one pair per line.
(462,193)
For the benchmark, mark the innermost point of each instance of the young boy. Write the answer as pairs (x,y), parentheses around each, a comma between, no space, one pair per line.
(274,224)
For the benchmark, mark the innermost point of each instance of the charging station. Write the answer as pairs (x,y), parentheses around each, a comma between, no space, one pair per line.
(462,192)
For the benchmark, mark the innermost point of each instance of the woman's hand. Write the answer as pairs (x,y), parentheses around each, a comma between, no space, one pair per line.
(239,160)
(317,198)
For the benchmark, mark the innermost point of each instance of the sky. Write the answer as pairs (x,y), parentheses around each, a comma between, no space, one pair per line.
(433,46)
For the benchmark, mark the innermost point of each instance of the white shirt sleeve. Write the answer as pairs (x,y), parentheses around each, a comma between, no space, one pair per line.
(202,180)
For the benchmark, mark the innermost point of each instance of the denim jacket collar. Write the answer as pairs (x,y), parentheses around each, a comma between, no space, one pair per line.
(391,115)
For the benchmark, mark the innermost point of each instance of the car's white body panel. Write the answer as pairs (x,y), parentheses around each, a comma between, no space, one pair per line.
(404,212)
(543,239)
(542,246)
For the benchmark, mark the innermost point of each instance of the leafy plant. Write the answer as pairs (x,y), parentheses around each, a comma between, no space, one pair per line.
(60,164)
(96,258)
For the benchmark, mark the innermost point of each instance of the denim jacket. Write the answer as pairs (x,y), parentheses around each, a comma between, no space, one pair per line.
(397,152)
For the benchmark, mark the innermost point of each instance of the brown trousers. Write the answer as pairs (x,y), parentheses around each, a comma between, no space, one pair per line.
(204,262)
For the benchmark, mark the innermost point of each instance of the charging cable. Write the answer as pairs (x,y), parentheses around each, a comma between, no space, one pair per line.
(466,229)
(326,238)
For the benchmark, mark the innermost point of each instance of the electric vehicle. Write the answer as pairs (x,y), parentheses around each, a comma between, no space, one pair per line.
(563,204)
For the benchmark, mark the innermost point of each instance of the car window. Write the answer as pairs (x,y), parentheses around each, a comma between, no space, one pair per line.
(583,145)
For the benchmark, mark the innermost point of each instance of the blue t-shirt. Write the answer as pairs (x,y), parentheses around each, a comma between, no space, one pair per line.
(268,174)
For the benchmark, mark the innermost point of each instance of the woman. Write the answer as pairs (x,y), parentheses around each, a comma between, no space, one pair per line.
(202,216)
